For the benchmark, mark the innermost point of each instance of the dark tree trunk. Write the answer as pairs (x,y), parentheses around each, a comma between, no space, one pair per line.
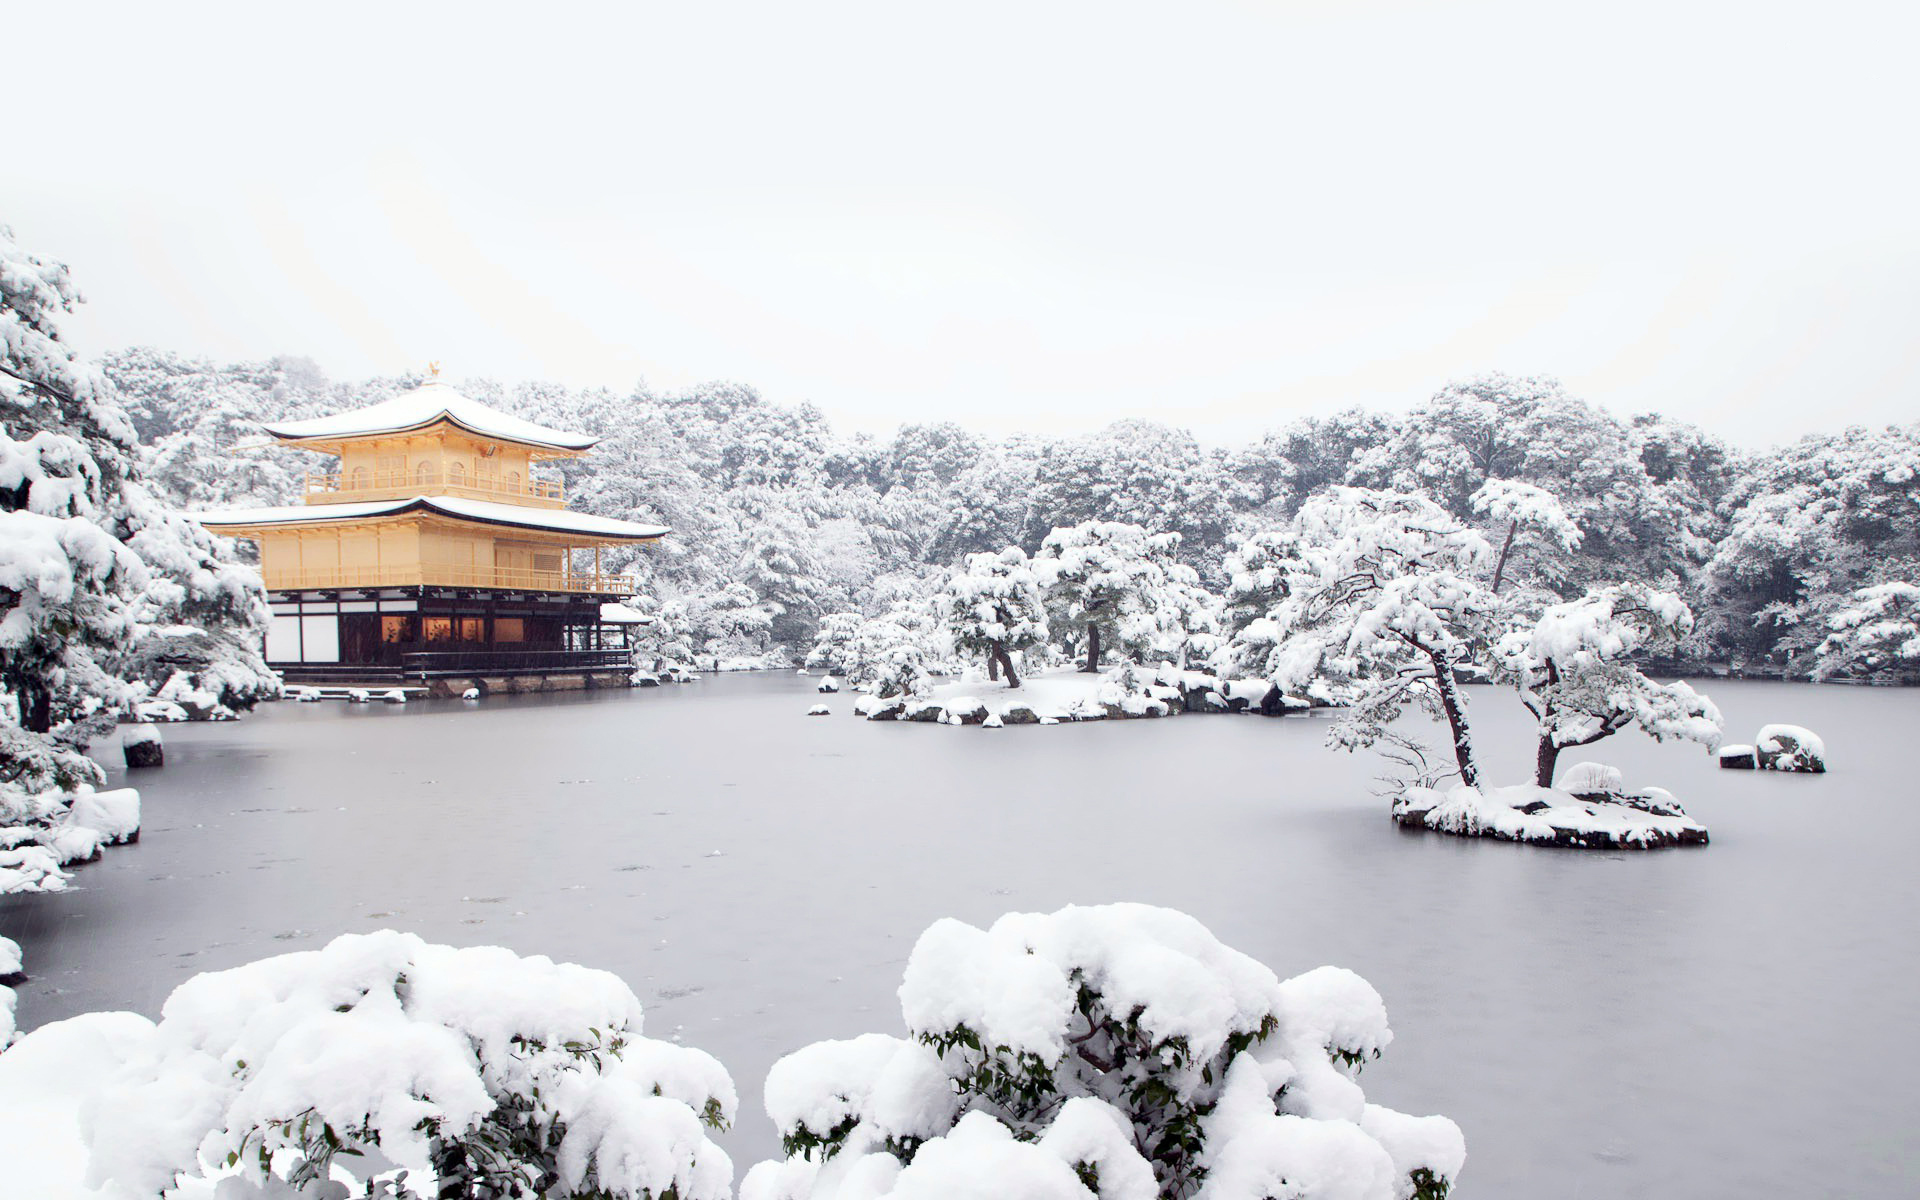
(993,663)
(1455,708)
(36,709)
(1544,761)
(1506,548)
(1093,648)
(1006,664)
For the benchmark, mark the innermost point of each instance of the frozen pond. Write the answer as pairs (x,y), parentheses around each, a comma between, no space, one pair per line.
(1729,1021)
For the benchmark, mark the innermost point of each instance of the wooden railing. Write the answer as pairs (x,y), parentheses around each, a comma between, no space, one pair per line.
(333,487)
(434,575)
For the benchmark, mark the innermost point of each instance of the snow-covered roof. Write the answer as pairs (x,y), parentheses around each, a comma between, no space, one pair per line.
(622,614)
(428,404)
(548,520)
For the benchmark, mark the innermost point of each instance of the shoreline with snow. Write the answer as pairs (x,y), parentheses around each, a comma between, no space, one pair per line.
(1059,697)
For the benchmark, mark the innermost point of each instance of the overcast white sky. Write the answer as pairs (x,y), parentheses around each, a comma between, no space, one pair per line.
(1020,216)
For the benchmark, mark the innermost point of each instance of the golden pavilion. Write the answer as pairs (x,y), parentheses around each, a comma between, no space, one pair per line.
(432,553)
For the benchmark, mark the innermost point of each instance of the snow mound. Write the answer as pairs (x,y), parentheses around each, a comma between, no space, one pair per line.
(819,710)
(1551,816)
(394,696)
(827,685)
(1790,748)
(1591,779)
(472,693)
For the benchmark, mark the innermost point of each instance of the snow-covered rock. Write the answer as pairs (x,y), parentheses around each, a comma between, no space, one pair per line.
(829,684)
(358,696)
(1739,757)
(819,710)
(1790,748)
(472,693)
(394,696)
(140,746)
(1551,816)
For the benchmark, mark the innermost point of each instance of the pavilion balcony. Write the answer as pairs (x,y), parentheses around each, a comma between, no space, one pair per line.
(324,487)
(433,575)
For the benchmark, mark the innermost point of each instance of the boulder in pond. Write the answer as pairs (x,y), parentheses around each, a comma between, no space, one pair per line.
(1738,757)
(1790,748)
(141,746)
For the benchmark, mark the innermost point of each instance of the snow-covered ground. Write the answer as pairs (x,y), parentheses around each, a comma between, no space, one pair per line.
(1636,1000)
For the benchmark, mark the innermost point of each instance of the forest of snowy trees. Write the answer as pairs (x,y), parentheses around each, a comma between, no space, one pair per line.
(780,522)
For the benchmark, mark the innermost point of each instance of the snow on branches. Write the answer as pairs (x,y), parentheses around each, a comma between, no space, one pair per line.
(1383,600)
(1574,673)
(1118,1052)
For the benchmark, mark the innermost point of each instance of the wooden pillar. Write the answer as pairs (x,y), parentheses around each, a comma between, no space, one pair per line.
(596,568)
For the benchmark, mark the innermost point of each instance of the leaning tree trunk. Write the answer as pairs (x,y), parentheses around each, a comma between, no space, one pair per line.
(1454,706)
(993,663)
(1093,648)
(1006,664)
(1506,548)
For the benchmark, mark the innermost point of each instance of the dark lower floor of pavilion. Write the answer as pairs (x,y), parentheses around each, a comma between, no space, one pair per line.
(421,634)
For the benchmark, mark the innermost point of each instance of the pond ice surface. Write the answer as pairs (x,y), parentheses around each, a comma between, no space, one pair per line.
(1729,1021)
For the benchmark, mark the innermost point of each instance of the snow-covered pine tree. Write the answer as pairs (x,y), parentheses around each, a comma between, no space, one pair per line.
(1575,673)
(1530,527)
(106,595)
(1103,578)
(1386,595)
(994,608)
(1879,633)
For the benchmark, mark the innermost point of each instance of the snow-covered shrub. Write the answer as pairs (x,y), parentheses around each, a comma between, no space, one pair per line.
(1790,748)
(888,660)
(834,641)
(475,1072)
(1118,1052)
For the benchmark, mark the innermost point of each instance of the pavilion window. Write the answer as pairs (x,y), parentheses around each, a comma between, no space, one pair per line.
(426,476)
(457,474)
(438,629)
(395,631)
(357,478)
(509,629)
(473,629)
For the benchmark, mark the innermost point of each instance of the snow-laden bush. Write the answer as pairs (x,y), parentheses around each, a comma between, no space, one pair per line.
(1118,1052)
(416,1070)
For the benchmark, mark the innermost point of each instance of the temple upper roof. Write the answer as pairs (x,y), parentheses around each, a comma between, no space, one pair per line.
(513,516)
(427,405)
